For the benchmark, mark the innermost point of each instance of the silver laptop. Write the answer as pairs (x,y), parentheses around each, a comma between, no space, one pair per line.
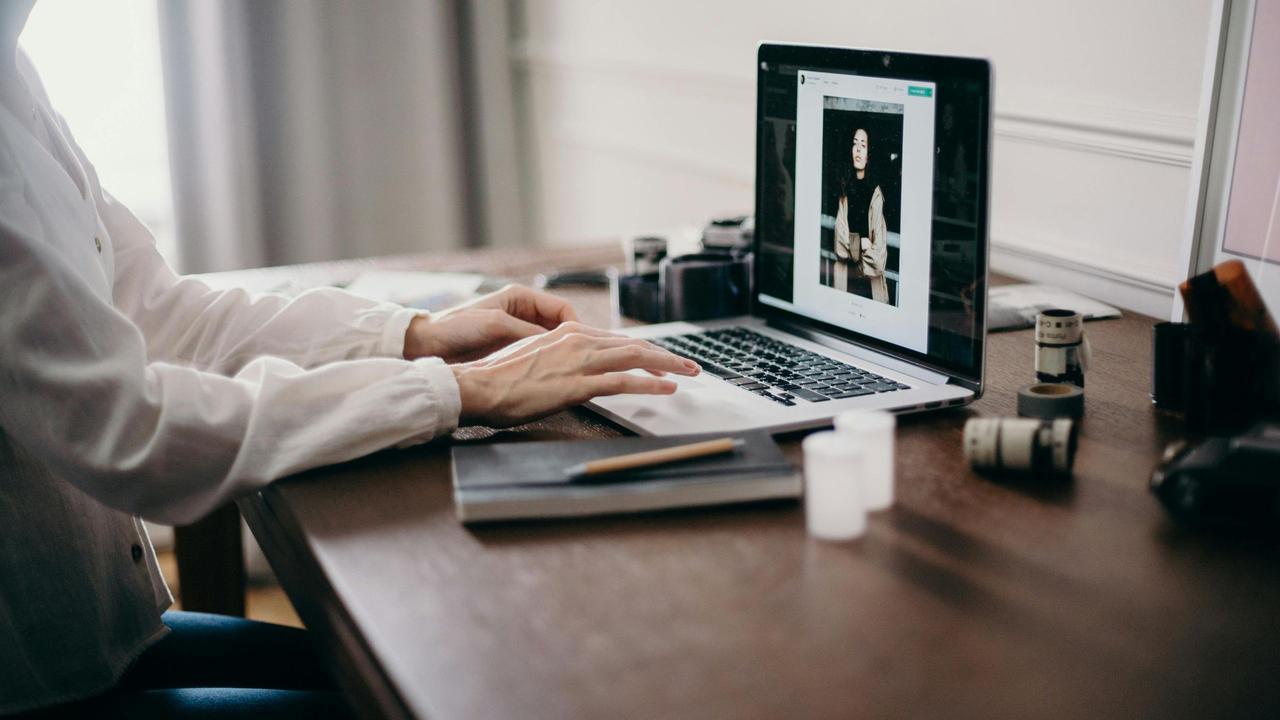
(870,274)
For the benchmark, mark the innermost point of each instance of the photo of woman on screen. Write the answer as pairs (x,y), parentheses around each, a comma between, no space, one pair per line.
(861,235)
(860,243)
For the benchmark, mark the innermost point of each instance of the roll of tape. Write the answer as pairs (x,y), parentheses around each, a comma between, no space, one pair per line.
(1050,400)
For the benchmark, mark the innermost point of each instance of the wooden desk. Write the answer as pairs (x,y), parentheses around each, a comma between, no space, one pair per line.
(969,598)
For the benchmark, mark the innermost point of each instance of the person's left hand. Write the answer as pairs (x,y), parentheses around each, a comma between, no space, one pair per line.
(479,327)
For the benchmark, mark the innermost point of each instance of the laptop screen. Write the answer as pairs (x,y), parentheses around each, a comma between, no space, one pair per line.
(871,215)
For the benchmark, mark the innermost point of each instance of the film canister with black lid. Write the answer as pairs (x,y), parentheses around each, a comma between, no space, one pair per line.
(1061,349)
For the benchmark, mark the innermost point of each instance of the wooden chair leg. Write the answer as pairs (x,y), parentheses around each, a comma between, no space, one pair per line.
(210,554)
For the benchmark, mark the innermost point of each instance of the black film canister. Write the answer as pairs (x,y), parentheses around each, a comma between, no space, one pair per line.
(1171,365)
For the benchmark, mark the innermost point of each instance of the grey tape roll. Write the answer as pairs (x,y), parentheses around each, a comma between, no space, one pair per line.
(1050,400)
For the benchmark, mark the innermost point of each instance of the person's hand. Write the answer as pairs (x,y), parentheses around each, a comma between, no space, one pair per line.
(559,369)
(479,327)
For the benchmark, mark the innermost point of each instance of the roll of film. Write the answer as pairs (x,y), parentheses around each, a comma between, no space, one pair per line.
(1020,445)
(1062,352)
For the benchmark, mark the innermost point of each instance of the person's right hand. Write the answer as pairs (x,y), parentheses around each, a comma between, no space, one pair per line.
(564,367)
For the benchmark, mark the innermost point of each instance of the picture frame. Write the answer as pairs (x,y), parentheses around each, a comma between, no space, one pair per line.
(1235,178)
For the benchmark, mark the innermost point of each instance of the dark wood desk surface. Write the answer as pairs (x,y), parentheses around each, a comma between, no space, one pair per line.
(969,598)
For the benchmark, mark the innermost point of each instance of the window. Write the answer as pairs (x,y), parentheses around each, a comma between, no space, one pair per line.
(100,63)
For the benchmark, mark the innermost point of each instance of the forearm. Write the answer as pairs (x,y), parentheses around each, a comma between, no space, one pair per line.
(171,442)
(222,330)
(185,321)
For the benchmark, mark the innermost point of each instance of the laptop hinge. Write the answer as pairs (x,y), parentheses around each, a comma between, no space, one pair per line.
(924,375)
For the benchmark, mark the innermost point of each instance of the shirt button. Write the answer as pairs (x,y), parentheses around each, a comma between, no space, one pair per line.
(97,242)
(136,551)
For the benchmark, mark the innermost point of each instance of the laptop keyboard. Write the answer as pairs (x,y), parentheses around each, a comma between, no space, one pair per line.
(775,369)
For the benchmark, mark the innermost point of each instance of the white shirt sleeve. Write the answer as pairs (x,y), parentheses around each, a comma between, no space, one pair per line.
(162,398)
(185,321)
(169,442)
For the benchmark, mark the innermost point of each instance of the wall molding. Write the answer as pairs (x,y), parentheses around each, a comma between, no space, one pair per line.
(1113,130)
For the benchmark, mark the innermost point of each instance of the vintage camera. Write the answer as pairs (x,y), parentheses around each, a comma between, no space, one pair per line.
(713,283)
(1224,480)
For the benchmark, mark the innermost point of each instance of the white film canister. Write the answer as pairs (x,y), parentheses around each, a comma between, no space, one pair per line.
(833,506)
(873,432)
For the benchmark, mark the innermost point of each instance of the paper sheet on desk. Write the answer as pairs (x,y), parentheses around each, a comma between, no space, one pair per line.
(425,290)
(1014,307)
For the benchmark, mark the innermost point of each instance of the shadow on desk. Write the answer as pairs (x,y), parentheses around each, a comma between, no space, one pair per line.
(678,523)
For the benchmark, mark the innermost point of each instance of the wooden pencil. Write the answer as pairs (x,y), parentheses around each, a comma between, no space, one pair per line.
(650,458)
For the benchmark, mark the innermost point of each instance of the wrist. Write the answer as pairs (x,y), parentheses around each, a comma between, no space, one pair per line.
(473,396)
(417,342)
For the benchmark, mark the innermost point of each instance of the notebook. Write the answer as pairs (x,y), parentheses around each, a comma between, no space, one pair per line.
(1014,307)
(504,481)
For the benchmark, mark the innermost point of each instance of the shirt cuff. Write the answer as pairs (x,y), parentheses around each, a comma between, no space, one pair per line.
(443,386)
(391,343)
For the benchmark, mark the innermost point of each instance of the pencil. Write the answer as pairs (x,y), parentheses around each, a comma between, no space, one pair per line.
(650,458)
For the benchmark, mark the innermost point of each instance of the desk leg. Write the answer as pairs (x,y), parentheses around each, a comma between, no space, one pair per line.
(210,557)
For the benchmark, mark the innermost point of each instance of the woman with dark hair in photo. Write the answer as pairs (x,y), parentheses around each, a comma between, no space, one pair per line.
(861,235)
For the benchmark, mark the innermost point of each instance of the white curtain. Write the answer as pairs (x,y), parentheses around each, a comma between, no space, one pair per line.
(308,130)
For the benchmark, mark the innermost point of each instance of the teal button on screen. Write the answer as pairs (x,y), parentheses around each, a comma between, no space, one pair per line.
(921,91)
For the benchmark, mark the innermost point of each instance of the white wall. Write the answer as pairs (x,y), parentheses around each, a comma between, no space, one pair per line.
(641,115)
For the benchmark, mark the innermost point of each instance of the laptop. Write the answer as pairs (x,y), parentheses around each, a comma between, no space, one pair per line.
(870,250)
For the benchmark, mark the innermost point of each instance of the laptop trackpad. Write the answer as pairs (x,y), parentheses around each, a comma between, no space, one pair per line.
(698,402)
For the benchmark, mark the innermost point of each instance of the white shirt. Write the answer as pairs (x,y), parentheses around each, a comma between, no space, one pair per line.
(128,391)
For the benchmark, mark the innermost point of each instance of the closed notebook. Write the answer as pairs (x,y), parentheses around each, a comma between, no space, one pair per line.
(531,479)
